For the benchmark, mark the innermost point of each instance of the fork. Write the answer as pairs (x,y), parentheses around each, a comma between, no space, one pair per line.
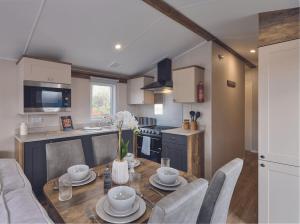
(154,190)
(91,215)
(150,203)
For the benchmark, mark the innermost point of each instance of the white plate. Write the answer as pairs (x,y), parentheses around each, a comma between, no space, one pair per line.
(165,188)
(158,181)
(118,220)
(136,163)
(112,212)
(84,179)
(91,179)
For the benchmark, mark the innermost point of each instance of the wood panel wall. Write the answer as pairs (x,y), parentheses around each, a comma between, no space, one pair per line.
(278,26)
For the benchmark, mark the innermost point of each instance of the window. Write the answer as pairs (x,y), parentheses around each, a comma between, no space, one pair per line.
(158,109)
(102,99)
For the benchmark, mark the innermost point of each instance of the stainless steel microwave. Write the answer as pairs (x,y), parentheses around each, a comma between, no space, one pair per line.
(46,97)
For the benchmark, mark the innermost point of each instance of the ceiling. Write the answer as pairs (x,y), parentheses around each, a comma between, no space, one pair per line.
(84,32)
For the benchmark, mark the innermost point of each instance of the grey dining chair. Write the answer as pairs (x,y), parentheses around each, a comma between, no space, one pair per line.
(105,148)
(218,196)
(61,155)
(181,206)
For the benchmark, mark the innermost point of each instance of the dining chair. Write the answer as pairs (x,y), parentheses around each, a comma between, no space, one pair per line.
(181,206)
(61,155)
(218,196)
(105,148)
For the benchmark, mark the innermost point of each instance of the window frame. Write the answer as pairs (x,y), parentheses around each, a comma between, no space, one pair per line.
(103,82)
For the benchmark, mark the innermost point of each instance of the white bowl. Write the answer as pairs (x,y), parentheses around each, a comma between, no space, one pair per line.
(78,172)
(121,198)
(167,175)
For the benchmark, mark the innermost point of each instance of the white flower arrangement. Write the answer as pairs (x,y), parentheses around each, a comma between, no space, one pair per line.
(127,120)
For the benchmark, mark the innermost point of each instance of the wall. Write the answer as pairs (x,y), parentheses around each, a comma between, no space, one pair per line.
(174,113)
(228,110)
(251,110)
(8,107)
(10,120)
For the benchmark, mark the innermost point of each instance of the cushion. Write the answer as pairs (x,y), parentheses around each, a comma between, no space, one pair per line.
(12,176)
(23,207)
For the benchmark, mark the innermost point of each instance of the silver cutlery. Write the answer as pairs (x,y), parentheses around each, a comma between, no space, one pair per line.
(148,202)
(91,215)
(154,190)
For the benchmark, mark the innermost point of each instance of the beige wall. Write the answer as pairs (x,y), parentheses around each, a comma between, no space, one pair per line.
(10,120)
(227,108)
(8,107)
(251,110)
(174,113)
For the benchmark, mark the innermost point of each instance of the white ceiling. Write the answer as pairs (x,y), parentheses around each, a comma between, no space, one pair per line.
(84,32)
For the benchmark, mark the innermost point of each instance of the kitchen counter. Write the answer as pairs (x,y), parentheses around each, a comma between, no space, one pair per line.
(62,134)
(181,131)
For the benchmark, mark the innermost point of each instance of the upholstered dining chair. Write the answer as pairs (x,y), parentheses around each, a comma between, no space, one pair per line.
(105,148)
(181,206)
(218,196)
(61,155)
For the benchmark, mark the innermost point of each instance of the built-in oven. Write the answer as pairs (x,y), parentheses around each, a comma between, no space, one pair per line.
(46,97)
(155,148)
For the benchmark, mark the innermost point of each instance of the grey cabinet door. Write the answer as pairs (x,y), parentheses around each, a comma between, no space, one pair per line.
(177,155)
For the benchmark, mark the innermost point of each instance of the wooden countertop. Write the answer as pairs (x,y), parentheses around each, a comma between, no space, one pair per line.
(181,131)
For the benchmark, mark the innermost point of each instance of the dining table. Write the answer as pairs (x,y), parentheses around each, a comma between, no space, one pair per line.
(81,207)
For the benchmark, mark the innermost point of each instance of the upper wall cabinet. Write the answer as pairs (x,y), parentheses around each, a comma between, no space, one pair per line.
(135,95)
(185,84)
(44,71)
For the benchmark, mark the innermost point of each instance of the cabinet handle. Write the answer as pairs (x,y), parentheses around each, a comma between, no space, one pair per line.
(262,165)
(262,156)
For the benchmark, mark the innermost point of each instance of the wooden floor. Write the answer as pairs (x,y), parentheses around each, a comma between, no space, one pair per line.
(244,203)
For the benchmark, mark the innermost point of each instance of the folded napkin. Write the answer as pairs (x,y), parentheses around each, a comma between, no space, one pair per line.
(146,145)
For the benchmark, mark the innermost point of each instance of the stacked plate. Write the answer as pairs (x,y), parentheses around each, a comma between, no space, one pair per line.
(114,209)
(88,179)
(167,179)
(81,175)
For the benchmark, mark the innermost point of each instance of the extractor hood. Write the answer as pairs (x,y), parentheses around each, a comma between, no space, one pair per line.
(164,83)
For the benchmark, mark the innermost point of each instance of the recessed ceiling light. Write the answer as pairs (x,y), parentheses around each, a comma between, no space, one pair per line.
(252,51)
(118,46)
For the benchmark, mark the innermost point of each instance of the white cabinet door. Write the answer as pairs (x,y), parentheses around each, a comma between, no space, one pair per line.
(45,71)
(135,95)
(185,83)
(279,193)
(279,102)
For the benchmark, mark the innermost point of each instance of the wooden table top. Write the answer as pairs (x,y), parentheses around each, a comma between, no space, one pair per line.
(87,196)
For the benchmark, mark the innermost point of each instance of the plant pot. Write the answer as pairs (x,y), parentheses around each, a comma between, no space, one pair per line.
(120,171)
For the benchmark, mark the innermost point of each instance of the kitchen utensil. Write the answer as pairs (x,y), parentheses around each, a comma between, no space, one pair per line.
(192,114)
(198,114)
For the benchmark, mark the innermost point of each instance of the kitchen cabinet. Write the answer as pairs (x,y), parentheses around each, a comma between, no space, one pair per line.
(44,71)
(279,102)
(278,193)
(185,82)
(135,95)
(279,129)
(186,152)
